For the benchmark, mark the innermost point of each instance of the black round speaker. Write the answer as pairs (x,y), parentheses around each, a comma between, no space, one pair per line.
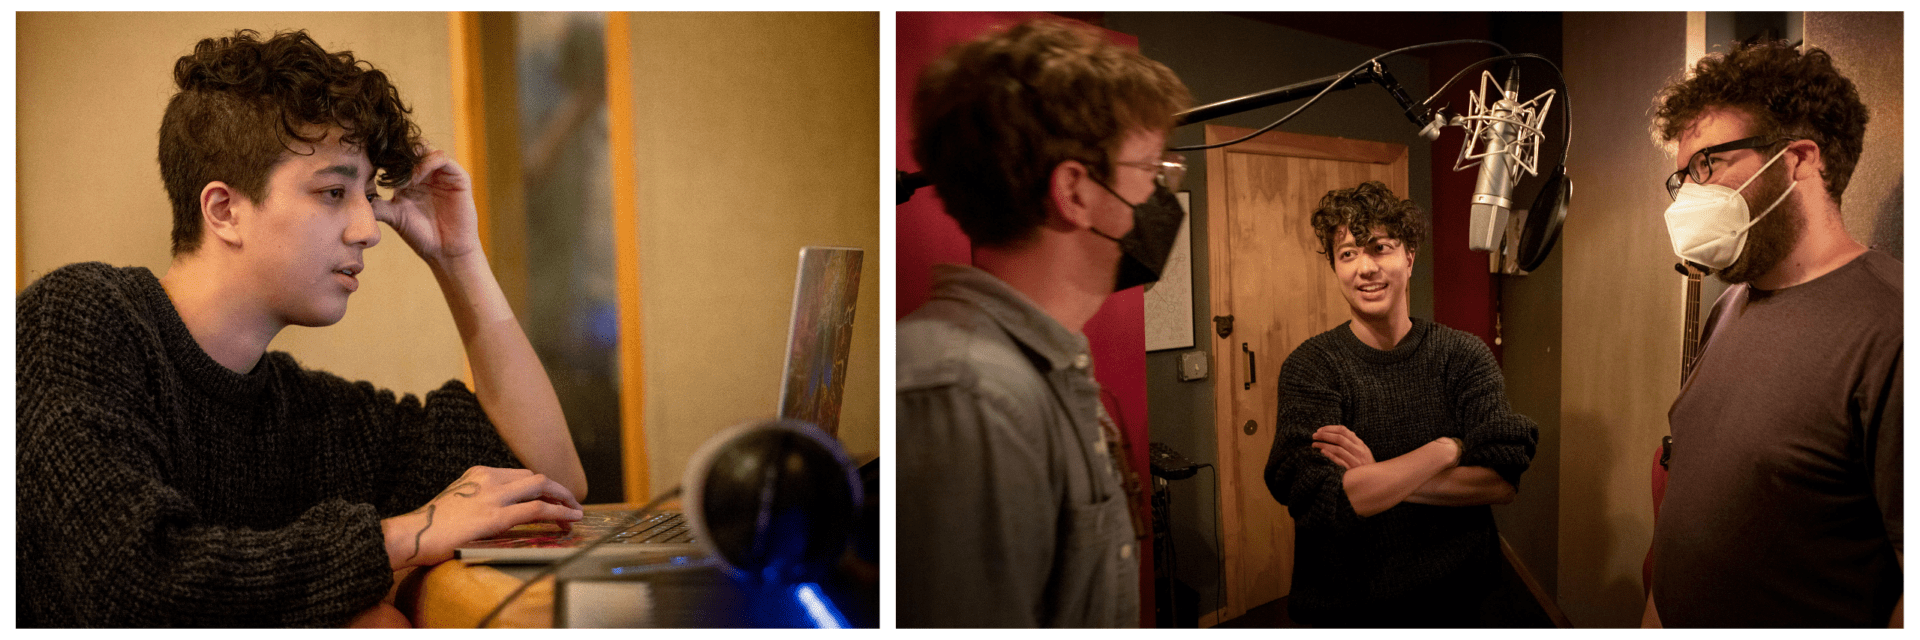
(775,500)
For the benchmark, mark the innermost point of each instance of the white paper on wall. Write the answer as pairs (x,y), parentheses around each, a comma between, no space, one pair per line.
(1169,302)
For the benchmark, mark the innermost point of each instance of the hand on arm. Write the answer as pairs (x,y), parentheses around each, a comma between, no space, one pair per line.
(436,216)
(1373,487)
(482,503)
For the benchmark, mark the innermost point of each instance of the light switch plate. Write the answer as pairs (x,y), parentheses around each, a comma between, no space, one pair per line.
(1193,366)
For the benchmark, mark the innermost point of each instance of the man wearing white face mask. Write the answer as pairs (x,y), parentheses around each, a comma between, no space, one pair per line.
(1783,503)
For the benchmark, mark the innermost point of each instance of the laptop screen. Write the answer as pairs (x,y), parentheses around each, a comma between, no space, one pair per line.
(820,336)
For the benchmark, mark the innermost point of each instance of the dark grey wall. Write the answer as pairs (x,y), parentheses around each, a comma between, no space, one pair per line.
(1530,336)
(1220,57)
(1529,329)
(1866,48)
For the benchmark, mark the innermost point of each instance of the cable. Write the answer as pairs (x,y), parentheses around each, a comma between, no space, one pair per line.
(639,517)
(1220,556)
(1316,97)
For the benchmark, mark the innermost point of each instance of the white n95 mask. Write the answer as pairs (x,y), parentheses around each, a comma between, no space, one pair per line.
(1709,222)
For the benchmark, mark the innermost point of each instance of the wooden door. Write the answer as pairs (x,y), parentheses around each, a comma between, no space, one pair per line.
(1268,274)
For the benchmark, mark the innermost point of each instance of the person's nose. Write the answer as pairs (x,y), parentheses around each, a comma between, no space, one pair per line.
(362,230)
(1366,265)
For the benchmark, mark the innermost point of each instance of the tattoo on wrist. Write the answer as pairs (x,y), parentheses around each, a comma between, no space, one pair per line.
(423,531)
(455,490)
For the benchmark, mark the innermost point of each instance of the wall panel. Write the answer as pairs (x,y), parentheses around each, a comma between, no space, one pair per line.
(1621,311)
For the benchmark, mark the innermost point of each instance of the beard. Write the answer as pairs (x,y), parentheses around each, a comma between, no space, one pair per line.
(1773,237)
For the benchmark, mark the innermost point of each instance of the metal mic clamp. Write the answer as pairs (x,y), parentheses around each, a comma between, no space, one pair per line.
(1432,131)
(1416,113)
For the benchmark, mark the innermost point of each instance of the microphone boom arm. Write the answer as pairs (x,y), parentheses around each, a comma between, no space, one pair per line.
(1282,95)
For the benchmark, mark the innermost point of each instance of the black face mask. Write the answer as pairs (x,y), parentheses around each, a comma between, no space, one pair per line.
(1144,250)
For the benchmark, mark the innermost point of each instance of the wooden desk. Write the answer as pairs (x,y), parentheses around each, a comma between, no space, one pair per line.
(454,594)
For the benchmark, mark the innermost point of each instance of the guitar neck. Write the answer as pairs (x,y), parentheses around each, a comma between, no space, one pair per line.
(1691,344)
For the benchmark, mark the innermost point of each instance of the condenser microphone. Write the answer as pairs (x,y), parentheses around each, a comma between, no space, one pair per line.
(1503,137)
(1493,190)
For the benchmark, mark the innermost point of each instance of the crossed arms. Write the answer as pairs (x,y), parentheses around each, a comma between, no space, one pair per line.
(1328,476)
(1428,475)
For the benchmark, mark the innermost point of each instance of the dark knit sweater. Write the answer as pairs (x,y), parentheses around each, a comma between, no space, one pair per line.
(158,488)
(1437,382)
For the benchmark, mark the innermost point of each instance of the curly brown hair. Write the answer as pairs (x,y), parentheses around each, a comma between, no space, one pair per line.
(993,117)
(1788,93)
(1362,208)
(243,101)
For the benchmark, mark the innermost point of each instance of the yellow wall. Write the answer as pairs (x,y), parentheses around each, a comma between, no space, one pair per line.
(89,183)
(755,134)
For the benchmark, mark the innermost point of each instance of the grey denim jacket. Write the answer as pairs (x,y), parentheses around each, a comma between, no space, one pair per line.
(1010,510)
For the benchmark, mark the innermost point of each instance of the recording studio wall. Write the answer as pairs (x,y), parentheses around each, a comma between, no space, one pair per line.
(1622,306)
(755,135)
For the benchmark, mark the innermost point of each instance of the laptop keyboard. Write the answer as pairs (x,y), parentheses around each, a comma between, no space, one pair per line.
(668,527)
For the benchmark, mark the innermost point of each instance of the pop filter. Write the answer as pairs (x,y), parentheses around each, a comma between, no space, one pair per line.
(1544,218)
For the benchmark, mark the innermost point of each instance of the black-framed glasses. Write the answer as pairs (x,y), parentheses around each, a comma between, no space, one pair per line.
(1700,166)
(1168,172)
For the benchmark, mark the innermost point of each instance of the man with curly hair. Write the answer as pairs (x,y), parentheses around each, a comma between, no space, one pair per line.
(1393,437)
(1046,143)
(1783,499)
(172,471)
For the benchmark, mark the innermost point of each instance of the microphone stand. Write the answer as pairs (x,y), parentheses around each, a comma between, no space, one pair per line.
(1375,74)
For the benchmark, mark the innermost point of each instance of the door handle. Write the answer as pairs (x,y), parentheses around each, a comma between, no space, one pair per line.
(1250,378)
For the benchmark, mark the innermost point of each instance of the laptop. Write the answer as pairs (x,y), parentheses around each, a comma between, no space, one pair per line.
(819,338)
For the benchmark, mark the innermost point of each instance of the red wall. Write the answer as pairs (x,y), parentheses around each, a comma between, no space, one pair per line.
(926,236)
(1462,288)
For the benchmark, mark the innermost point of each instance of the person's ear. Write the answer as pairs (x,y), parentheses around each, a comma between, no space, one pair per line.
(1412,253)
(1807,165)
(1067,192)
(221,212)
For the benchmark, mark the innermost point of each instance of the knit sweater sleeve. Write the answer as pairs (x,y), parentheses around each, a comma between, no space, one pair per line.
(1497,437)
(105,541)
(414,449)
(1299,476)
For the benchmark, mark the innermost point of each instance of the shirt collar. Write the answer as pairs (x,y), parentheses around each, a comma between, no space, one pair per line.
(1014,312)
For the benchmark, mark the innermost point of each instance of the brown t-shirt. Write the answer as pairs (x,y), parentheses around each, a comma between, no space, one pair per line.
(1783,500)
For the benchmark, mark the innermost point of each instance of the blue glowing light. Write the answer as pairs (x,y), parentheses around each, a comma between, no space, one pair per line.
(824,615)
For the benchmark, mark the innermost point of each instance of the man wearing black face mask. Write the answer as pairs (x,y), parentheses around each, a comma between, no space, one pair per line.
(1783,499)
(1046,144)
(1394,434)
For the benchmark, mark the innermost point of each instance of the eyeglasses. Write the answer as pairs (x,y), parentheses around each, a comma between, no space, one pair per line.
(1168,172)
(1700,166)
